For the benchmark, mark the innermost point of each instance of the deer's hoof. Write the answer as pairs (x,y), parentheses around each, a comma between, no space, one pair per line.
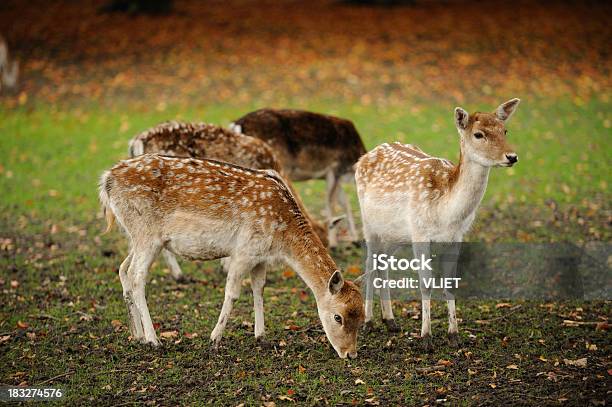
(368,327)
(454,340)
(153,343)
(392,325)
(427,344)
(182,279)
(215,342)
(263,342)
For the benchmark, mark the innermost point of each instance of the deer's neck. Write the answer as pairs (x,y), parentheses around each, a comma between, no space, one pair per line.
(468,188)
(307,256)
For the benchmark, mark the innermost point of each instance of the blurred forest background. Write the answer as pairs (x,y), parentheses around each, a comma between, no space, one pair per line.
(93,73)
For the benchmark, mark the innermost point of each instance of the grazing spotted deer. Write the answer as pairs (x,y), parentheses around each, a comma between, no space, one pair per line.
(311,146)
(205,209)
(408,196)
(202,140)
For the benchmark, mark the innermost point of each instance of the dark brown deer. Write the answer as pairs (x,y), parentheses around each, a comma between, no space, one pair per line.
(205,209)
(202,140)
(311,146)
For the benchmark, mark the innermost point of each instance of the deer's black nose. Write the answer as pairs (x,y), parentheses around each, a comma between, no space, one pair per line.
(512,158)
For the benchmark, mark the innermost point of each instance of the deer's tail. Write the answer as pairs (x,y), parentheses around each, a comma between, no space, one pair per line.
(104,194)
(135,147)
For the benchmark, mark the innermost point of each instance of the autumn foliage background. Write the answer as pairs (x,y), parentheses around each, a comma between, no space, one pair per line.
(91,80)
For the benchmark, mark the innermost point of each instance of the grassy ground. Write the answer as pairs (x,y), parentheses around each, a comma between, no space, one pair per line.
(62,319)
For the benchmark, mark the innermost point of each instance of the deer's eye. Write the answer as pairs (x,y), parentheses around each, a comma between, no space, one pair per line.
(479,135)
(506,132)
(338,319)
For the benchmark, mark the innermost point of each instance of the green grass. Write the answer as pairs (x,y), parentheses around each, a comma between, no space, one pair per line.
(68,293)
(564,150)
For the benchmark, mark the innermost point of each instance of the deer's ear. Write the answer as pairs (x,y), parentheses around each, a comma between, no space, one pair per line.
(507,109)
(336,281)
(461,118)
(334,221)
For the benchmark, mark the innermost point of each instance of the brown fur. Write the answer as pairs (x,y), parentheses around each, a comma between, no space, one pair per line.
(307,143)
(206,209)
(202,140)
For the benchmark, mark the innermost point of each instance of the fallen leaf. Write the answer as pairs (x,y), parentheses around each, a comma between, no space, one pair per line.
(22,325)
(513,367)
(169,334)
(353,269)
(285,398)
(503,305)
(576,362)
(359,381)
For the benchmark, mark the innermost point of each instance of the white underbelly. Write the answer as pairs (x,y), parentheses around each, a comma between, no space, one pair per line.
(199,237)
(386,219)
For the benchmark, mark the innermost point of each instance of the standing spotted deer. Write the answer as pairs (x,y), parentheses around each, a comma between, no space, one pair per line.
(408,196)
(202,140)
(205,209)
(311,146)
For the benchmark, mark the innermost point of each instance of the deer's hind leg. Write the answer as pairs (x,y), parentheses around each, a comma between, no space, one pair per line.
(142,258)
(345,202)
(330,198)
(258,281)
(134,321)
(172,263)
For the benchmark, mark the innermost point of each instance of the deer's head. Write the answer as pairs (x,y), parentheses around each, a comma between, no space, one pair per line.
(483,135)
(342,314)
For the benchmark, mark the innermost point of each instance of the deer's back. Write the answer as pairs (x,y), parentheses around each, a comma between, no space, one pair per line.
(309,144)
(202,140)
(201,208)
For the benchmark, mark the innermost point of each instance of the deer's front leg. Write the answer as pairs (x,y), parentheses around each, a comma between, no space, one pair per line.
(237,269)
(258,281)
(372,244)
(424,249)
(385,295)
(449,268)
